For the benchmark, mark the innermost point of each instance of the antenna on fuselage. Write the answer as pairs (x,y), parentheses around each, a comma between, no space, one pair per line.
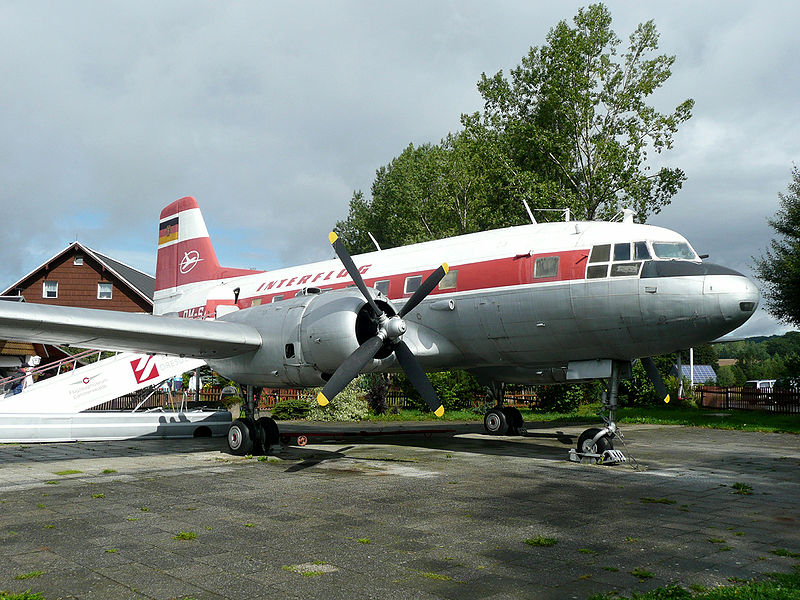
(528,209)
(563,211)
(374,241)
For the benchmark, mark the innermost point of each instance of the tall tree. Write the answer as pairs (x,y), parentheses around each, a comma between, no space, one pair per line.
(576,116)
(570,129)
(779,267)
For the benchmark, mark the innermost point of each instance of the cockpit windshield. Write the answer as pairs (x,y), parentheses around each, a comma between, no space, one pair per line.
(674,250)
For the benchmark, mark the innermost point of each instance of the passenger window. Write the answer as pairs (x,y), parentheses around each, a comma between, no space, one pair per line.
(382,287)
(547,266)
(640,251)
(277,298)
(625,269)
(412,284)
(448,282)
(600,253)
(622,251)
(596,271)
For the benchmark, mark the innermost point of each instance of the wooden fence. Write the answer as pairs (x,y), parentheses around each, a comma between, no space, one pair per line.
(778,401)
(269,397)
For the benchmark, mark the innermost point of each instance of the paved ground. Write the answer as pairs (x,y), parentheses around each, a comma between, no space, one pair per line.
(396,516)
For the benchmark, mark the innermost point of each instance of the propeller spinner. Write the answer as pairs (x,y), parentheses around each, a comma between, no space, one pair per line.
(390,330)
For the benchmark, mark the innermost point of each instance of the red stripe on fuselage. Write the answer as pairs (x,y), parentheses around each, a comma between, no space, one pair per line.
(497,273)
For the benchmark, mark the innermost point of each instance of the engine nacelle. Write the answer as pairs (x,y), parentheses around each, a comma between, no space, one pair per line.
(306,338)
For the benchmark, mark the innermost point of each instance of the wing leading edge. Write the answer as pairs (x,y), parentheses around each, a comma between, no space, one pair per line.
(111,330)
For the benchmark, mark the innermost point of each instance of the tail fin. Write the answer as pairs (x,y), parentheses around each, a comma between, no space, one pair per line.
(185,253)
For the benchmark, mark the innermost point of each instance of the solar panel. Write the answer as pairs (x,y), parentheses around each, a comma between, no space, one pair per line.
(702,373)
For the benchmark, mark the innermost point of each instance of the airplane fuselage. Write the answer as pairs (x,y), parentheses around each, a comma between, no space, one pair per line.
(518,304)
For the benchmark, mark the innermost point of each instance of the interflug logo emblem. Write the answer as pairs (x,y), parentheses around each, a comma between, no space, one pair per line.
(144,369)
(189,261)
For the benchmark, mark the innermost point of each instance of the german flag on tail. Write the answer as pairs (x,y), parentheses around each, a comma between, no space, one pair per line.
(168,231)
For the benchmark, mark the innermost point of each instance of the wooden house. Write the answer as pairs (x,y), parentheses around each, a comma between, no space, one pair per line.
(80,276)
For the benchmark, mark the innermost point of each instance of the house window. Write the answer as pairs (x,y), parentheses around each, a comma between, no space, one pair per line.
(547,266)
(50,289)
(448,282)
(78,260)
(104,291)
(412,284)
(382,287)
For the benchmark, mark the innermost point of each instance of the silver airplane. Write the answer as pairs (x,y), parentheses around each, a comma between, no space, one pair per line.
(540,303)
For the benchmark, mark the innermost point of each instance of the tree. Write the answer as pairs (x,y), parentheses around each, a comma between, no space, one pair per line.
(570,129)
(779,267)
(577,120)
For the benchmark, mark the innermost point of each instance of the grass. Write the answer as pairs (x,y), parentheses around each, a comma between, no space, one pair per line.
(776,587)
(742,489)
(67,472)
(185,535)
(30,575)
(642,573)
(742,420)
(784,552)
(541,541)
(27,595)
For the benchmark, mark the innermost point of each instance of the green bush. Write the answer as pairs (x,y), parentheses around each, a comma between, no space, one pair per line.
(293,408)
(561,398)
(348,405)
(377,392)
(456,389)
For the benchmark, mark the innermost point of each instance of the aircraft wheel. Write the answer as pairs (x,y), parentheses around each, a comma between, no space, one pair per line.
(514,418)
(270,435)
(495,422)
(240,439)
(585,445)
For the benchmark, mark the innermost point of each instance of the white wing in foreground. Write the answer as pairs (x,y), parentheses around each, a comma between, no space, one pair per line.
(112,330)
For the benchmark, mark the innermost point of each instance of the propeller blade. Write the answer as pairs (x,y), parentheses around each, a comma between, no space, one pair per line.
(349,369)
(652,372)
(417,377)
(348,263)
(423,290)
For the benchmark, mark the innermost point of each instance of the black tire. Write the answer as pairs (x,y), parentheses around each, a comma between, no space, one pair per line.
(585,445)
(270,435)
(240,438)
(514,418)
(495,422)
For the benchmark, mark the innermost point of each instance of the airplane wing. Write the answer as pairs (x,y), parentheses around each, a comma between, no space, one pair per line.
(111,330)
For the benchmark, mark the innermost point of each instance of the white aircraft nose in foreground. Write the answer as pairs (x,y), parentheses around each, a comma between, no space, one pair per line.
(541,303)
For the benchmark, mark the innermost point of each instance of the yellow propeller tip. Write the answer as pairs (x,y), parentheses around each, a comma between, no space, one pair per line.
(332,237)
(666,400)
(445,267)
(322,400)
(439,411)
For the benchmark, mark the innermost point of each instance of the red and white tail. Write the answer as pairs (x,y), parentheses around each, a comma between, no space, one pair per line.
(185,253)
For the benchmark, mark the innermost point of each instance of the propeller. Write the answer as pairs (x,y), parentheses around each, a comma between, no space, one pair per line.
(652,372)
(390,330)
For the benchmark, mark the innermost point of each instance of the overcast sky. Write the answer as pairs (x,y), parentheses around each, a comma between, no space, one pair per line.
(272,114)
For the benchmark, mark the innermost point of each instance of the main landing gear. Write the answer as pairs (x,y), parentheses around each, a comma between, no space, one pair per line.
(597,444)
(502,420)
(248,435)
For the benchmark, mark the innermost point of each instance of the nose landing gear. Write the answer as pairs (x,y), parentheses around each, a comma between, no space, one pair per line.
(597,444)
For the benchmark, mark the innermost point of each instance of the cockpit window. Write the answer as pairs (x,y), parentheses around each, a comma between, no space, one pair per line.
(600,253)
(640,251)
(675,250)
(622,251)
